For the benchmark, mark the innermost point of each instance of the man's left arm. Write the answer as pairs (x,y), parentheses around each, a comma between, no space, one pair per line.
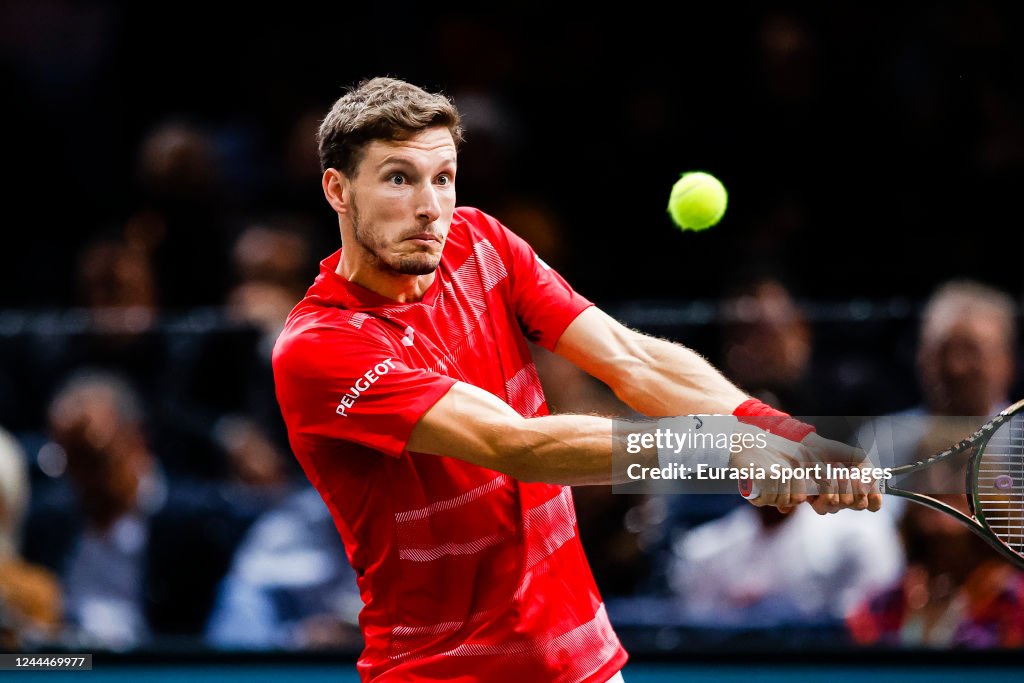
(652,376)
(658,378)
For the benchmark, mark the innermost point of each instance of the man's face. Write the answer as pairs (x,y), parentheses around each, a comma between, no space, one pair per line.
(968,370)
(101,451)
(402,201)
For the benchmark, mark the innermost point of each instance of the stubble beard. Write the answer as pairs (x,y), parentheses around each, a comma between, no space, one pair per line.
(406,264)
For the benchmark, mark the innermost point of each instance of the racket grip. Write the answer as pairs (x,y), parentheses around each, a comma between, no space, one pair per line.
(748,489)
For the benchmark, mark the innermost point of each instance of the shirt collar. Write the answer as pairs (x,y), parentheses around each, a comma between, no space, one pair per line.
(334,290)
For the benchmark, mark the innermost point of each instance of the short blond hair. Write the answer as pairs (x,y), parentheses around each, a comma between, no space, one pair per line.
(957,299)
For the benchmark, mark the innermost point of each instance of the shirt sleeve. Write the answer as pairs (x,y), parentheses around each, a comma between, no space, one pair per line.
(334,385)
(544,302)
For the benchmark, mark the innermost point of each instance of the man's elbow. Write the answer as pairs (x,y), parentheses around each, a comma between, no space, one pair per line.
(505,448)
(630,361)
(517,450)
(631,379)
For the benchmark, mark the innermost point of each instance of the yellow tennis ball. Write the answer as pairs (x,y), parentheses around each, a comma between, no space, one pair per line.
(697,201)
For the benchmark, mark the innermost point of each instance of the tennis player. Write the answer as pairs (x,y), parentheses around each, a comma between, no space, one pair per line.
(411,400)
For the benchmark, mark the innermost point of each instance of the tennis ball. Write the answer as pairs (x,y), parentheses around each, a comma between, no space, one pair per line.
(697,201)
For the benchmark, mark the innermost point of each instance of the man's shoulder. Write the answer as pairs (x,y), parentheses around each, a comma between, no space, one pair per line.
(314,314)
(472,217)
(480,235)
(315,332)
(472,223)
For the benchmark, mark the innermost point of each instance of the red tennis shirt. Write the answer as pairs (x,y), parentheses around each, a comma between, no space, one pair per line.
(467,574)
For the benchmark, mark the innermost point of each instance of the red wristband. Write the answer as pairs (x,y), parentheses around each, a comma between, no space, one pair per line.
(763,416)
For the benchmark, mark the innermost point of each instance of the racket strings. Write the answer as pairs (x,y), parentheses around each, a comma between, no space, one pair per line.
(999,484)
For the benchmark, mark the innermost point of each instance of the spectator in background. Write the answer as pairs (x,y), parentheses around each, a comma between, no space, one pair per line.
(217,414)
(776,354)
(767,346)
(956,590)
(965,362)
(271,265)
(253,459)
(290,585)
(115,328)
(967,349)
(140,557)
(97,421)
(30,599)
(797,569)
(182,224)
(117,286)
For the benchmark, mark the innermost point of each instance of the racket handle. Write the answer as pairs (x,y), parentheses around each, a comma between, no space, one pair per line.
(748,489)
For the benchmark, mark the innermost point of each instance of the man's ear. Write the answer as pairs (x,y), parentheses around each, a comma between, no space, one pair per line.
(336,190)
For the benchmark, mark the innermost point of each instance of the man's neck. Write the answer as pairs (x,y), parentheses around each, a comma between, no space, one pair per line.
(404,289)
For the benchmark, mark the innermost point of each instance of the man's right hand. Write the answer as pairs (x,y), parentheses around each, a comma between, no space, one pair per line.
(824,494)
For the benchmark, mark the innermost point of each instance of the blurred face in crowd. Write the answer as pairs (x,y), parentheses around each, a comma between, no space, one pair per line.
(106,456)
(968,369)
(112,275)
(397,206)
(939,543)
(767,339)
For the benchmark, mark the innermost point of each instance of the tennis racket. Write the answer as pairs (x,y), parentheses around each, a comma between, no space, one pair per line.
(993,482)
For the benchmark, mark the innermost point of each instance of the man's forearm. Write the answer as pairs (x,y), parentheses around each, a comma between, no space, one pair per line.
(652,376)
(474,425)
(670,379)
(572,450)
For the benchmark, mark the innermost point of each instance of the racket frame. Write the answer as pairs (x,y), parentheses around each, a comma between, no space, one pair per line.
(976,520)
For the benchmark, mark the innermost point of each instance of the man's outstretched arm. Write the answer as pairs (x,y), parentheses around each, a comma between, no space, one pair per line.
(656,377)
(472,424)
(652,376)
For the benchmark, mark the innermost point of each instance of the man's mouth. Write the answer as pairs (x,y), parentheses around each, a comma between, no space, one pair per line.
(423,238)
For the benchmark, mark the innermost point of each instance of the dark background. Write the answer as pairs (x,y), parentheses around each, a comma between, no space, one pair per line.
(870,150)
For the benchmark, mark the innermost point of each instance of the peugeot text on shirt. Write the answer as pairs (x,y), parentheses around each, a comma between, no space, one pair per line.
(364,383)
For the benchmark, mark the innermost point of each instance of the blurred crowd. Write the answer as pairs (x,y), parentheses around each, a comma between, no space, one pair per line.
(168,214)
(150,510)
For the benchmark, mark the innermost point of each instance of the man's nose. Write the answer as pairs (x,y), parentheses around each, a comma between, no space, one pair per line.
(962,362)
(428,204)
